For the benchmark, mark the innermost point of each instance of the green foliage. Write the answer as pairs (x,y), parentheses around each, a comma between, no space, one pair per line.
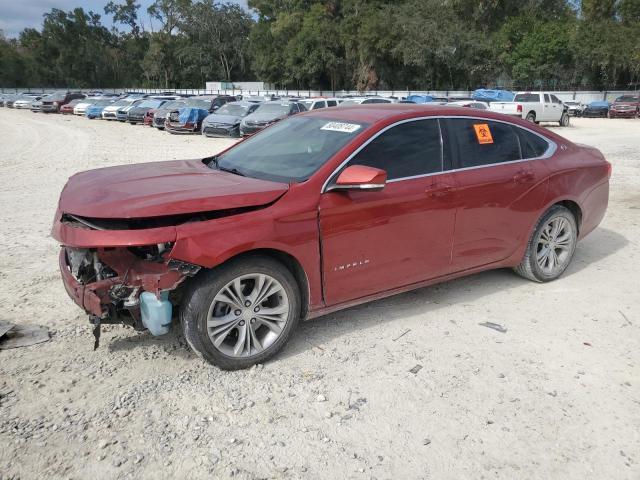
(335,44)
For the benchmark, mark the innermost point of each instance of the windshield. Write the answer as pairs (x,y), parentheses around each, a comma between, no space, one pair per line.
(199,103)
(122,103)
(233,109)
(150,103)
(173,105)
(627,98)
(291,150)
(273,108)
(527,97)
(101,103)
(75,102)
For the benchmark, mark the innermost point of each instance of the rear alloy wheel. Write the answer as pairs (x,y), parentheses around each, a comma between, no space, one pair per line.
(564,120)
(241,313)
(531,117)
(551,246)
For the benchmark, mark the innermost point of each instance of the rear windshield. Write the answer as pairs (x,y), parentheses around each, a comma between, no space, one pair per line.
(351,102)
(527,97)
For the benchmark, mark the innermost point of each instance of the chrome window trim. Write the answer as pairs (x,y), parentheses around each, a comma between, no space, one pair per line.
(551,149)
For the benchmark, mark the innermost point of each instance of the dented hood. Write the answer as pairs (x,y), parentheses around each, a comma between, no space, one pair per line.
(162,188)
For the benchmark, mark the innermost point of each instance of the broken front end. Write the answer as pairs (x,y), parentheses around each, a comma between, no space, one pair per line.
(131,284)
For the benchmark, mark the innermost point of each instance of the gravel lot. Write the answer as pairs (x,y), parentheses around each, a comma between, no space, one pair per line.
(556,396)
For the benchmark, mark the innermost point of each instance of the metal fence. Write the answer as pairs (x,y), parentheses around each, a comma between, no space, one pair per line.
(578,95)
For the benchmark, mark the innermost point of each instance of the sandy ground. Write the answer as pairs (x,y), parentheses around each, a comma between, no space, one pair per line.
(557,396)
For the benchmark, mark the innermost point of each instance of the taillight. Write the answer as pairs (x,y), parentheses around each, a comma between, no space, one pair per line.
(609,170)
(519,108)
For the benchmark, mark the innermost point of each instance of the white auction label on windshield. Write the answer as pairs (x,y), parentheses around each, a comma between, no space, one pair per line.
(341,127)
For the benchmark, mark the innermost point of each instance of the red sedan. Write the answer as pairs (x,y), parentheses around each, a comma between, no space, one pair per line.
(319,212)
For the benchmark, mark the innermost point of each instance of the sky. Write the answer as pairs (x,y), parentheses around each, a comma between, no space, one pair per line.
(17,15)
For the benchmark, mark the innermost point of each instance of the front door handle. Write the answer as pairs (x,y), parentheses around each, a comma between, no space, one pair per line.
(439,191)
(523,177)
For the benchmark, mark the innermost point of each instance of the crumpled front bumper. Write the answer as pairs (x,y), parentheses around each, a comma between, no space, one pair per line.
(83,297)
(132,272)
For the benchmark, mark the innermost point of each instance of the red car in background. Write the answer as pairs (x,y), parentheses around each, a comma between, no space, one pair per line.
(625,106)
(67,108)
(319,212)
(148,117)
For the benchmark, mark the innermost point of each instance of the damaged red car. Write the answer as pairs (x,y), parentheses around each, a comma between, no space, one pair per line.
(319,212)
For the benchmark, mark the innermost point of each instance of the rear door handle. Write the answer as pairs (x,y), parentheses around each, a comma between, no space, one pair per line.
(523,177)
(438,191)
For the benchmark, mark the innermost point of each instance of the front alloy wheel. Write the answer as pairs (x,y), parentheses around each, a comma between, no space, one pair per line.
(248,315)
(240,313)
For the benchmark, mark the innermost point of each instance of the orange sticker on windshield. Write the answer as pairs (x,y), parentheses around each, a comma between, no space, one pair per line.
(483,134)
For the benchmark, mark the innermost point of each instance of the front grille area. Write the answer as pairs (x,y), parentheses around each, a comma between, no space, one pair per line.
(217,130)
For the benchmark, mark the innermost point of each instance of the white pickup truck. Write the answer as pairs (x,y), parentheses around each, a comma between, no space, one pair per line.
(535,107)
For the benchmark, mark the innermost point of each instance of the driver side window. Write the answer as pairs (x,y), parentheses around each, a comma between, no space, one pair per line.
(406,150)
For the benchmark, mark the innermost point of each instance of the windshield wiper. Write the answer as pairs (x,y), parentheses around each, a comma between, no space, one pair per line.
(235,171)
(213,163)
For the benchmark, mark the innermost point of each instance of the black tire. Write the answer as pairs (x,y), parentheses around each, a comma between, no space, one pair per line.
(531,117)
(564,120)
(529,267)
(199,296)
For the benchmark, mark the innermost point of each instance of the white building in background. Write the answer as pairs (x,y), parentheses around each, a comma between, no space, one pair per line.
(215,86)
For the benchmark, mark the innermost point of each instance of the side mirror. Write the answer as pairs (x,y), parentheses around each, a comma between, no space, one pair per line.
(360,177)
(215,107)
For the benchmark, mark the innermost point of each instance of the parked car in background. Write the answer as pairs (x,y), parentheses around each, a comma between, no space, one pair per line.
(67,108)
(625,106)
(185,120)
(596,109)
(110,112)
(364,101)
(23,99)
(492,95)
(52,103)
(36,106)
(225,122)
(574,108)
(316,103)
(81,107)
(95,109)
(470,104)
(534,107)
(268,113)
(24,102)
(419,98)
(136,114)
(209,102)
(121,113)
(321,212)
(160,114)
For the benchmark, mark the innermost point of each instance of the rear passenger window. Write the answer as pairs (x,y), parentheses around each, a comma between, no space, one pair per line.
(332,103)
(532,145)
(482,142)
(406,150)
